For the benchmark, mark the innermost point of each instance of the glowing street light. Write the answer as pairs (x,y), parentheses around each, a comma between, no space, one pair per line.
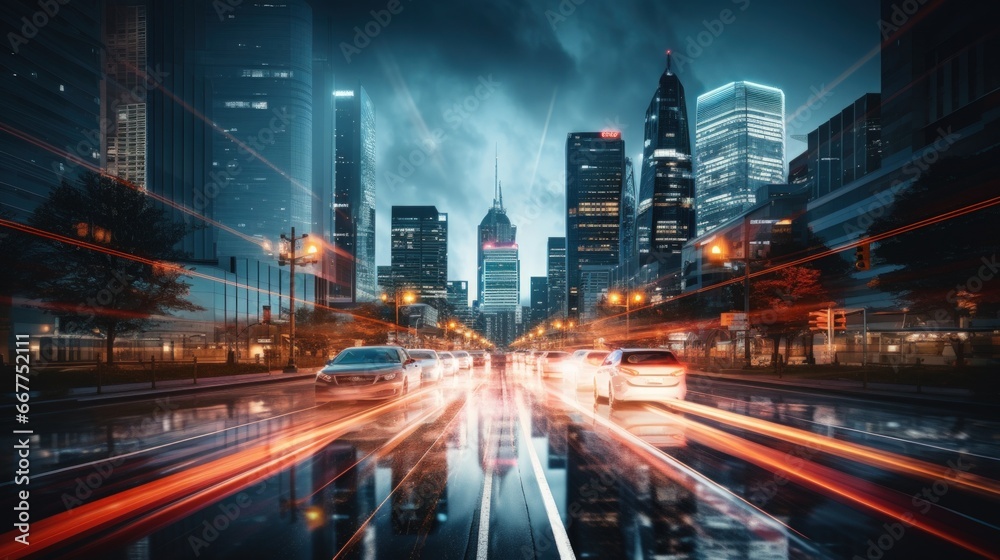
(288,257)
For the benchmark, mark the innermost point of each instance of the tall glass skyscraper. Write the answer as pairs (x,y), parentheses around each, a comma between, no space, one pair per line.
(556,273)
(51,88)
(501,278)
(495,229)
(666,191)
(353,212)
(419,253)
(259,63)
(125,64)
(739,146)
(595,167)
(629,247)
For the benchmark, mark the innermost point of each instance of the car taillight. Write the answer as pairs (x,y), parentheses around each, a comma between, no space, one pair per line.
(628,371)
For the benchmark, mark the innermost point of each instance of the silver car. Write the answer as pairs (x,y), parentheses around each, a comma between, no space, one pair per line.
(367,372)
(430,363)
(640,374)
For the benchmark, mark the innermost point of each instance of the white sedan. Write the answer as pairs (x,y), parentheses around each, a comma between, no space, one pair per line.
(640,374)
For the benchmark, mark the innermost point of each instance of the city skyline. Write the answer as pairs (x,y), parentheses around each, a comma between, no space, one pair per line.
(448,99)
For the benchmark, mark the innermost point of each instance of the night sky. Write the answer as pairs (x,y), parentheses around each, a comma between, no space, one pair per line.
(547,68)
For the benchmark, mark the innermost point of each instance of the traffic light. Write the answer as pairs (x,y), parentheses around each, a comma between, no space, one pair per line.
(840,321)
(863,257)
(819,320)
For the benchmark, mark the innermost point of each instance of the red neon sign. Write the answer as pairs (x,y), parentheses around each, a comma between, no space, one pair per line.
(611,134)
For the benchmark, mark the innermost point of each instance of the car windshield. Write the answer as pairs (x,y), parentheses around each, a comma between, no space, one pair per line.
(421,355)
(650,359)
(596,358)
(367,356)
(462,354)
(558,355)
(445,355)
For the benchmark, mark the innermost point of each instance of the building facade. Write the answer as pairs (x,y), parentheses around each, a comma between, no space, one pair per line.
(595,168)
(419,253)
(846,147)
(556,274)
(458,300)
(666,192)
(259,64)
(739,147)
(494,230)
(124,73)
(353,213)
(539,301)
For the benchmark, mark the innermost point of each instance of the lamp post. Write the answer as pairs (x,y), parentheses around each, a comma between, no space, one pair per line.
(746,289)
(290,259)
(408,298)
(629,298)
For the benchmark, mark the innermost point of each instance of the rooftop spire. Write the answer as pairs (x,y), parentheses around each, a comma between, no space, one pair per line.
(500,189)
(496,174)
(668,61)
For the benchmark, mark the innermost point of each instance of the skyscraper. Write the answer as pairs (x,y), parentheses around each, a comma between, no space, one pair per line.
(739,146)
(125,64)
(556,274)
(458,299)
(666,191)
(539,300)
(495,229)
(501,278)
(259,64)
(51,91)
(353,212)
(595,166)
(629,246)
(179,130)
(846,147)
(501,303)
(419,253)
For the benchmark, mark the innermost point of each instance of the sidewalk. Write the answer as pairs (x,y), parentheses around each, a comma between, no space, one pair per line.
(135,391)
(893,391)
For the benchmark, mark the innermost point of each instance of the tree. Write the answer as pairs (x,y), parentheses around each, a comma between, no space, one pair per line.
(946,270)
(783,300)
(97,290)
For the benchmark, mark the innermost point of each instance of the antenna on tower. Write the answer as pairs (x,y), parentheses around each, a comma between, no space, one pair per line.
(668,61)
(496,173)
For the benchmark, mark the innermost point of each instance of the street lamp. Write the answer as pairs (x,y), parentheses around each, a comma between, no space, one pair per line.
(616,299)
(407,298)
(291,260)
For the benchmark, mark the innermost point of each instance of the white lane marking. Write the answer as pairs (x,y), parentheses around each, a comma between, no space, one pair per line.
(483,546)
(558,529)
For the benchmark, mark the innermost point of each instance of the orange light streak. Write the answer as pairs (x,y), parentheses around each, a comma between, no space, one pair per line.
(826,481)
(191,488)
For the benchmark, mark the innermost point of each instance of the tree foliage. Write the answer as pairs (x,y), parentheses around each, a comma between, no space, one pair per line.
(948,269)
(98,290)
